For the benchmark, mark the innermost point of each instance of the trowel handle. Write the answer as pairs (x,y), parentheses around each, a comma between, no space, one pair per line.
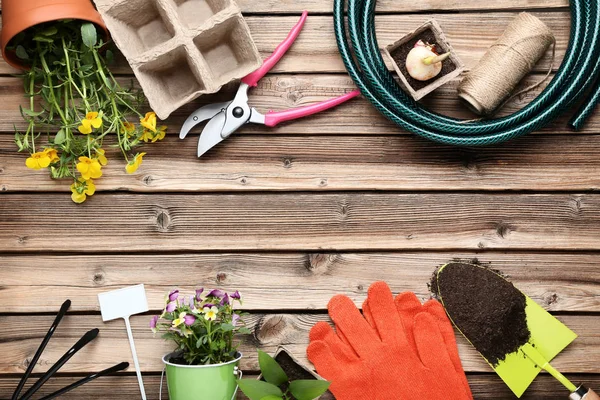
(583,393)
(135,358)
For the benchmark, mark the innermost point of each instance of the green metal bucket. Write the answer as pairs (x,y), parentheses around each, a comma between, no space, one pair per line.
(202,382)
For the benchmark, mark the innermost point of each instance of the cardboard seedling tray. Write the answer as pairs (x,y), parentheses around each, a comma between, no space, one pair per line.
(181,49)
(432,29)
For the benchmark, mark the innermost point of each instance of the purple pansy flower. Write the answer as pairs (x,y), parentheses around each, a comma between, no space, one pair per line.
(153,322)
(234,319)
(216,293)
(189,320)
(173,295)
(236,295)
(171,306)
(208,305)
(199,293)
(225,300)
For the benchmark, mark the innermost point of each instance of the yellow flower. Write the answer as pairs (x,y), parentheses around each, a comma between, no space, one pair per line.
(39,160)
(101,157)
(147,136)
(92,119)
(160,134)
(180,320)
(134,164)
(149,121)
(53,154)
(128,128)
(210,314)
(89,168)
(81,189)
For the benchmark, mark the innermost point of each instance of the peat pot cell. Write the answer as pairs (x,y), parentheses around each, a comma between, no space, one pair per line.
(139,25)
(194,13)
(228,50)
(429,33)
(169,79)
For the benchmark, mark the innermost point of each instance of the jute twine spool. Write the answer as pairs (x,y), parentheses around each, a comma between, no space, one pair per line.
(488,86)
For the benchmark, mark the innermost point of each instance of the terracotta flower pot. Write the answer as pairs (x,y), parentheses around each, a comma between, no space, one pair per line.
(18,15)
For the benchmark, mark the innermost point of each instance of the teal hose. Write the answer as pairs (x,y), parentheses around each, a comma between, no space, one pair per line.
(577,75)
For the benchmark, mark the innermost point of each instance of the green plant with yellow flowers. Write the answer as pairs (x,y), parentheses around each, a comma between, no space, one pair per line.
(76,106)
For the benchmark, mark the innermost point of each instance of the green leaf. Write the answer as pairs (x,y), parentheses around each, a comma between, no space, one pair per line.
(227,327)
(272,397)
(257,390)
(244,331)
(110,57)
(31,113)
(308,389)
(271,371)
(50,31)
(22,53)
(60,137)
(42,38)
(89,35)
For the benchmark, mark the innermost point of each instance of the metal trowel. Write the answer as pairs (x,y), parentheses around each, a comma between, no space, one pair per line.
(548,338)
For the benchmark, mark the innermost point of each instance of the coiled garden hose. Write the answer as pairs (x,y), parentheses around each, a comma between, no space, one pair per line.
(577,75)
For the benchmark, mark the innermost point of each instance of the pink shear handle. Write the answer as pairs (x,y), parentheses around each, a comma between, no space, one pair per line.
(275,118)
(252,79)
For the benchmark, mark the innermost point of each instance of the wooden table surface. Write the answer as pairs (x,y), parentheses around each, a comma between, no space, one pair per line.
(293,215)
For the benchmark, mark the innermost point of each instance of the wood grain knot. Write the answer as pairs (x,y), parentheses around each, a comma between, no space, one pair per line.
(98,278)
(4,188)
(148,179)
(221,277)
(272,329)
(503,229)
(287,163)
(319,264)
(323,182)
(551,299)
(163,221)
(244,180)
(576,206)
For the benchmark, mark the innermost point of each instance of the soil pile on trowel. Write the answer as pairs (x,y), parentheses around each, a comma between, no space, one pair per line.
(487,309)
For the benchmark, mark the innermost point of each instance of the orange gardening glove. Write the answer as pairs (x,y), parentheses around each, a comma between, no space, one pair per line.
(379,362)
(408,306)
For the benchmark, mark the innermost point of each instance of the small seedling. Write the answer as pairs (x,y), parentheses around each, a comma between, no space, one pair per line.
(277,385)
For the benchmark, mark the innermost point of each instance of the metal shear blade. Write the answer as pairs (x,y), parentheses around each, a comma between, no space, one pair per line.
(202,114)
(211,135)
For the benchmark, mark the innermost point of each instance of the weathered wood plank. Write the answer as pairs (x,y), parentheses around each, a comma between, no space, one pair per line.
(270,330)
(390,6)
(316,50)
(325,163)
(559,282)
(342,221)
(483,386)
(281,92)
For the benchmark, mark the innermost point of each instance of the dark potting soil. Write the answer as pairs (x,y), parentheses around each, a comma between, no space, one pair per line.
(293,370)
(401,53)
(486,308)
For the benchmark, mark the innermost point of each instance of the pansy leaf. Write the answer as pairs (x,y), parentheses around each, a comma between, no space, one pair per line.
(257,390)
(50,31)
(89,35)
(308,389)
(60,137)
(227,327)
(42,38)
(22,53)
(110,57)
(271,371)
(272,397)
